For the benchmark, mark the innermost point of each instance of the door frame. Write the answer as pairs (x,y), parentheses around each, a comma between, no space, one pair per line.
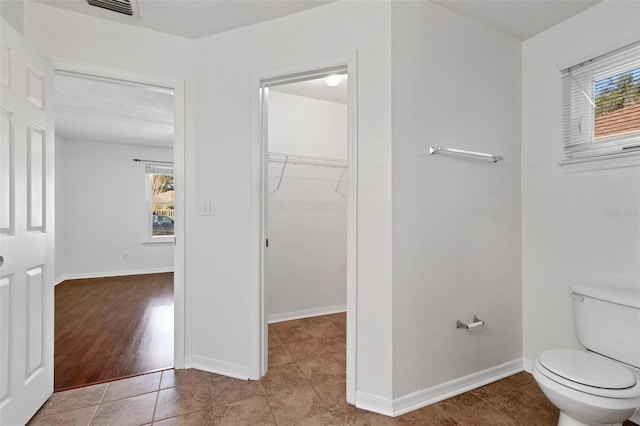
(259,196)
(179,172)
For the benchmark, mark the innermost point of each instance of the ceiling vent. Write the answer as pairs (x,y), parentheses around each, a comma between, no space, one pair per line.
(120,6)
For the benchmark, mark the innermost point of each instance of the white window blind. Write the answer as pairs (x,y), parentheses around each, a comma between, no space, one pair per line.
(601,106)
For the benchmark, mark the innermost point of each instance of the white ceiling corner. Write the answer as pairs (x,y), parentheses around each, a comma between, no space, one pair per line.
(521,19)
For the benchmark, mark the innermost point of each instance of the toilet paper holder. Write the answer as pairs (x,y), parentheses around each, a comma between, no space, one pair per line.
(476,323)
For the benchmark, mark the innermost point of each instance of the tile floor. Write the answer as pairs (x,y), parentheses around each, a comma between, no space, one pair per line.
(305,386)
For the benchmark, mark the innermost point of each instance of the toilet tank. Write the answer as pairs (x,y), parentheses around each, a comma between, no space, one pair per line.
(607,321)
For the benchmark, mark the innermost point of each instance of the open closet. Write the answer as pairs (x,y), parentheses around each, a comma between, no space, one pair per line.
(307,200)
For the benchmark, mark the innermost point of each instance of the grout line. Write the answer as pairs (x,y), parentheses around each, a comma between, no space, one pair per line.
(93,415)
(104,393)
(155,407)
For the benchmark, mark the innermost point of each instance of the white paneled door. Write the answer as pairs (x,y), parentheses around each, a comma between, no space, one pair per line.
(26,229)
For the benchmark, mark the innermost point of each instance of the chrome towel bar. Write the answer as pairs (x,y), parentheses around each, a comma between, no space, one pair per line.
(434,149)
(476,323)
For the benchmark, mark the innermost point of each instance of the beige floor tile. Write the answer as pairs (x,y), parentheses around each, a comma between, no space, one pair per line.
(73,399)
(294,334)
(248,412)
(226,389)
(132,411)
(334,344)
(79,417)
(520,379)
(188,377)
(322,327)
(295,403)
(460,402)
(321,369)
(333,393)
(339,320)
(182,400)
(533,392)
(133,386)
(326,419)
(199,418)
(493,389)
(274,340)
(524,410)
(306,349)
(279,355)
(284,325)
(282,377)
(482,414)
(421,416)
(349,415)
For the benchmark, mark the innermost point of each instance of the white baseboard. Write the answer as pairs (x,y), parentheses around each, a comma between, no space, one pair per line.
(422,398)
(288,316)
(636,417)
(455,387)
(375,403)
(527,364)
(112,274)
(216,366)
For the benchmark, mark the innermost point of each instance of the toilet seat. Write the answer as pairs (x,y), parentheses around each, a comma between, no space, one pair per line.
(587,369)
(622,393)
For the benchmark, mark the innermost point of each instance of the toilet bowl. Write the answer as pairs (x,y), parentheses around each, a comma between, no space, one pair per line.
(599,385)
(588,389)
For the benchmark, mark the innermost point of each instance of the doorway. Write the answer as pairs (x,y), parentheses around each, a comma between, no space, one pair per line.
(337,169)
(120,229)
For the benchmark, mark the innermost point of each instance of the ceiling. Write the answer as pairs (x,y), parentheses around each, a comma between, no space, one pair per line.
(101,110)
(108,111)
(521,19)
(194,18)
(199,18)
(316,89)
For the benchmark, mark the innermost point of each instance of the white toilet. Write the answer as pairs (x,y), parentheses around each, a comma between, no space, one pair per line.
(599,386)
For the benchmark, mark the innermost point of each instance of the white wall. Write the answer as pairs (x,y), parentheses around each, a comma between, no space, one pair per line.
(568,238)
(307,256)
(456,219)
(103,216)
(222,258)
(306,126)
(60,243)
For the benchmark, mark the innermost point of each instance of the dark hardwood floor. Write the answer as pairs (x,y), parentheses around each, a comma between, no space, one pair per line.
(110,328)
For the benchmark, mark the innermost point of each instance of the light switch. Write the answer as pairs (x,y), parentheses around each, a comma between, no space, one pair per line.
(206,208)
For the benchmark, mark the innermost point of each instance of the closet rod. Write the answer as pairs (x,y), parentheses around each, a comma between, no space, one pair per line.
(139,160)
(307,160)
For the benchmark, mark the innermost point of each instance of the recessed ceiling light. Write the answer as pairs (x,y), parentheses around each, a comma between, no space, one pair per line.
(333,80)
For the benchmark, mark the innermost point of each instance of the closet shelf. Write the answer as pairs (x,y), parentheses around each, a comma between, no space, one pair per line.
(306,160)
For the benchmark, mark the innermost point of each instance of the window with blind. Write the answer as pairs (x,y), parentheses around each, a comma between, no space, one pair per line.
(601,106)
(160,200)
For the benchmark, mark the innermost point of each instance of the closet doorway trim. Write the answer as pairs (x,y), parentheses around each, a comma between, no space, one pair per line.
(346,64)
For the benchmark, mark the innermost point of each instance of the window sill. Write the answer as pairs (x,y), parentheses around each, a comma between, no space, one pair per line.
(605,162)
(160,241)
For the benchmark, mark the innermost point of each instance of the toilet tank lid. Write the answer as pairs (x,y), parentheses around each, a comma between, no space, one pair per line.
(621,296)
